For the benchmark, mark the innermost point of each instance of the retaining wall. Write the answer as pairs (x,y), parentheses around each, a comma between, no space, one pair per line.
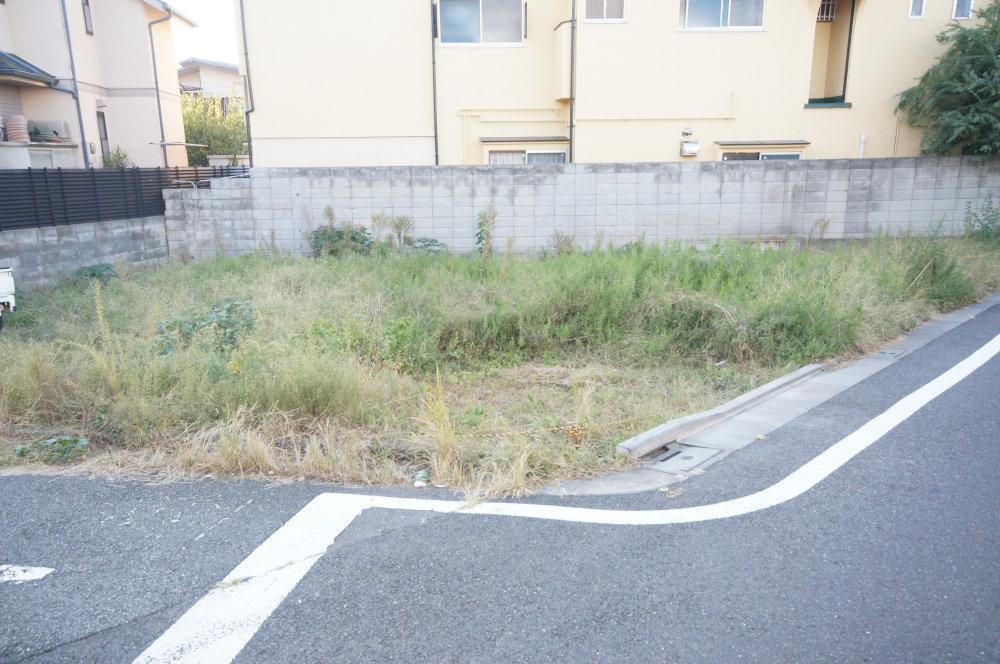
(40,256)
(771,201)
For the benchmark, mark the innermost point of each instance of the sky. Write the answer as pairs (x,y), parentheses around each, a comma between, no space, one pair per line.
(215,36)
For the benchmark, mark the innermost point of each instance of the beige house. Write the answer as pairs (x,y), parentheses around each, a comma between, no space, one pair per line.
(514,81)
(86,84)
(210,78)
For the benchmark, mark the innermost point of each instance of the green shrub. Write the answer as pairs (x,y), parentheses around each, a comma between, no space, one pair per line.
(226,323)
(340,240)
(983,223)
(60,449)
(103,272)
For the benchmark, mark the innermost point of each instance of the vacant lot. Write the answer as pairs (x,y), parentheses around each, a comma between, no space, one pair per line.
(493,376)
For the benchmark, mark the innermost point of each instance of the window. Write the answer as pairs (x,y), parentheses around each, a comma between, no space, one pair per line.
(102,131)
(760,156)
(516,157)
(605,10)
(481,21)
(726,14)
(916,8)
(827,11)
(963,9)
(88,20)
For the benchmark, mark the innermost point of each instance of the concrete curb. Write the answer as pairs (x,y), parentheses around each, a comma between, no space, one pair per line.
(683,427)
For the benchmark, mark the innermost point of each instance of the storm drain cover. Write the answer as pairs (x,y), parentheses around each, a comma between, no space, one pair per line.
(681,458)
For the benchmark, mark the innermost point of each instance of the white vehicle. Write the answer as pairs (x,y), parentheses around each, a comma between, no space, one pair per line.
(7,302)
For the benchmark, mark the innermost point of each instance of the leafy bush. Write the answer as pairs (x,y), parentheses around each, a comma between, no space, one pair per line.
(332,239)
(226,322)
(220,127)
(60,449)
(957,100)
(118,159)
(103,272)
(983,223)
(429,245)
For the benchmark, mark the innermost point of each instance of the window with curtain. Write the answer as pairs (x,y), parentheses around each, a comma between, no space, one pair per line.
(546,157)
(963,9)
(481,21)
(605,10)
(517,157)
(722,13)
(506,157)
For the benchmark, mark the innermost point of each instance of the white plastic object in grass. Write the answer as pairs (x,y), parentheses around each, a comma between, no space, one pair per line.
(7,301)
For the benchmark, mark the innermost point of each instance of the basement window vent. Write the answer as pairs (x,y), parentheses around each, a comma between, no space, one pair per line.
(827,11)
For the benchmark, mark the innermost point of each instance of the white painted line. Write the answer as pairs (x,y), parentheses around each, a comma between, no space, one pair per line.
(16,574)
(218,627)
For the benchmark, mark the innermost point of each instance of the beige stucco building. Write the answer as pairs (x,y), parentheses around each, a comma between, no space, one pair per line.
(511,80)
(109,41)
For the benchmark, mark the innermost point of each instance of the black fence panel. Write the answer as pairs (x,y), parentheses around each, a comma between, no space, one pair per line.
(38,197)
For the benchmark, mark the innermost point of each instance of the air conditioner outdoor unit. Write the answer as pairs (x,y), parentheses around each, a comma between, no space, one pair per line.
(7,302)
(49,132)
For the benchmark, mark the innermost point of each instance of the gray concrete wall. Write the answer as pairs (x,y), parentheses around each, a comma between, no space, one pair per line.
(40,256)
(773,201)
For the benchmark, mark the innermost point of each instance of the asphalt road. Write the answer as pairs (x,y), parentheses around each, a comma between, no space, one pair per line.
(893,558)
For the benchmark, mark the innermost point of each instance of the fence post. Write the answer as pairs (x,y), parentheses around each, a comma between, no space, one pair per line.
(97,196)
(62,192)
(34,197)
(138,185)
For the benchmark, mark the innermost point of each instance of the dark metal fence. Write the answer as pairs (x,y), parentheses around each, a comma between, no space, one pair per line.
(48,197)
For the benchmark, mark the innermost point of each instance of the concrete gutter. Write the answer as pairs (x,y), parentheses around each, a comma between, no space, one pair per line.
(683,427)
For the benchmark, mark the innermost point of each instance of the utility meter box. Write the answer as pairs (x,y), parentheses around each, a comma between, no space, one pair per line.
(7,302)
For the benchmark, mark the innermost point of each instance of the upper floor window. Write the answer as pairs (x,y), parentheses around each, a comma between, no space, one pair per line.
(605,10)
(827,11)
(481,21)
(732,14)
(963,9)
(88,20)
(916,8)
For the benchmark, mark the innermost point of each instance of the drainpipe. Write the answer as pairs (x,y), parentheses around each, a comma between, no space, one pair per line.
(248,93)
(76,86)
(861,146)
(156,79)
(850,41)
(434,80)
(572,83)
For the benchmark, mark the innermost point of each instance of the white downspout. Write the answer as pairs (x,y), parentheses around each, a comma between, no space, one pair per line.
(861,146)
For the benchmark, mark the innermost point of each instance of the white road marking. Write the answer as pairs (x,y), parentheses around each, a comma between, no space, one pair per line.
(218,627)
(16,574)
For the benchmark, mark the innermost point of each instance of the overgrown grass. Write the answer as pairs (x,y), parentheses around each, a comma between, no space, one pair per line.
(496,376)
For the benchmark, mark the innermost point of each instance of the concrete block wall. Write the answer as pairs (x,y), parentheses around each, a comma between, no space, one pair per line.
(40,256)
(773,201)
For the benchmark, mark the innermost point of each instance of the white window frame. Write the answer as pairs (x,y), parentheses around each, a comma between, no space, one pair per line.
(972,11)
(606,20)
(565,154)
(480,43)
(724,28)
(923,8)
(788,153)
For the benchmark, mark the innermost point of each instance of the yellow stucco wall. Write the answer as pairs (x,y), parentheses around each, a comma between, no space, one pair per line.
(361,73)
